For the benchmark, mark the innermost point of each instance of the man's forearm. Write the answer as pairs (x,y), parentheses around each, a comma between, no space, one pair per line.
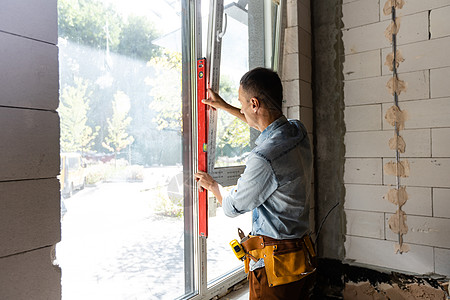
(218,192)
(234,111)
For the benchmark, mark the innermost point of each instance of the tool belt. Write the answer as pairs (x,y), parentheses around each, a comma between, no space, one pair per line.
(285,261)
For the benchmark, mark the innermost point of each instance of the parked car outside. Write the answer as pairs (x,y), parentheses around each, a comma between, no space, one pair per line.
(72,176)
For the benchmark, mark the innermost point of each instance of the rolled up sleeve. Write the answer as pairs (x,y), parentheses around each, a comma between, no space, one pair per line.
(253,188)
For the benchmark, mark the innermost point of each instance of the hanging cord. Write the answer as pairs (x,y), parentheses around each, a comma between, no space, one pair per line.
(323,221)
(396,126)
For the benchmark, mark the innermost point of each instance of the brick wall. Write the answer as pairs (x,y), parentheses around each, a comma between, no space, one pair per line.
(424,40)
(29,147)
(296,69)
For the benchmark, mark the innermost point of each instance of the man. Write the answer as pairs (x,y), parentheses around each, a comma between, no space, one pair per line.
(275,186)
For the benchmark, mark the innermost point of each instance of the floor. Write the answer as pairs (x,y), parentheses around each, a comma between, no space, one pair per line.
(240,294)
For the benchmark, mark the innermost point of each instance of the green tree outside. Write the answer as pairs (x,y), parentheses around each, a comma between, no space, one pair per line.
(95,24)
(118,137)
(233,135)
(136,39)
(89,22)
(166,90)
(76,135)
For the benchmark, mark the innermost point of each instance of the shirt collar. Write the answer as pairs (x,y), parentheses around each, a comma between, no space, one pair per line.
(270,129)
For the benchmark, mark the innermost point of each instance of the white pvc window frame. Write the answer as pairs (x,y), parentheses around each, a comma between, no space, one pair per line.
(196,285)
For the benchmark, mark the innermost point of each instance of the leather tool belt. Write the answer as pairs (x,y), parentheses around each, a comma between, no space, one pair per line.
(285,261)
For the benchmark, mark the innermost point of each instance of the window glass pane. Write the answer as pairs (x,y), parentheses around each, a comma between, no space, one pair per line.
(249,27)
(233,135)
(222,230)
(121,142)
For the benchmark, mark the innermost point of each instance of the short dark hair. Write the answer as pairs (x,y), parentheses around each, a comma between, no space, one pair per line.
(265,85)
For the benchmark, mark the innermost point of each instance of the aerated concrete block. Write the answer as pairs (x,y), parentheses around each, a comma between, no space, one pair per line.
(30,144)
(304,17)
(441,203)
(363,170)
(29,18)
(439,23)
(29,215)
(306,98)
(376,143)
(427,231)
(424,55)
(30,73)
(372,36)
(439,82)
(291,40)
(304,42)
(292,13)
(423,113)
(362,65)
(291,67)
(30,275)
(440,142)
(291,93)
(363,118)
(361,12)
(364,223)
(371,198)
(425,172)
(373,90)
(380,253)
(305,68)
(442,261)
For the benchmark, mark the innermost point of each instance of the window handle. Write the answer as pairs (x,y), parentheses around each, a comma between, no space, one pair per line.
(220,34)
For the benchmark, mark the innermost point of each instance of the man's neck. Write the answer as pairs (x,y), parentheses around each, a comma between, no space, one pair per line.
(267,119)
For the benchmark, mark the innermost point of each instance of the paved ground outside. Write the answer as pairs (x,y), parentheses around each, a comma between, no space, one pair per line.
(116,245)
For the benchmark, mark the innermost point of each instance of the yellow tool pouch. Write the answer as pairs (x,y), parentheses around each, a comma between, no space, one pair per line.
(285,261)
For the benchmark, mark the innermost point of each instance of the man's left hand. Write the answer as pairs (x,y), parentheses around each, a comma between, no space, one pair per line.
(207,182)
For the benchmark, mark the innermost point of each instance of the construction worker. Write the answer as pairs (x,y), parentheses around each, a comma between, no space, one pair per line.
(275,186)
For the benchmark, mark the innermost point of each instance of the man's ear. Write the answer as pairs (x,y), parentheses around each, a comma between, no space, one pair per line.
(254,102)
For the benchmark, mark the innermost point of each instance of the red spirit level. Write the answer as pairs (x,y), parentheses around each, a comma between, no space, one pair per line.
(202,144)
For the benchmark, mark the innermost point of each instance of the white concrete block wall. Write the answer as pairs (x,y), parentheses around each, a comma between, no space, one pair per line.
(367,13)
(362,65)
(297,69)
(424,40)
(380,253)
(439,82)
(29,189)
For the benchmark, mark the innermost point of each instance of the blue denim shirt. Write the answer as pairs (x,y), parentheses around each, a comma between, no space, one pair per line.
(276,183)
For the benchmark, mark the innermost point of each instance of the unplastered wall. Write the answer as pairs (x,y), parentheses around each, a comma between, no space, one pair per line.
(296,70)
(29,147)
(424,41)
